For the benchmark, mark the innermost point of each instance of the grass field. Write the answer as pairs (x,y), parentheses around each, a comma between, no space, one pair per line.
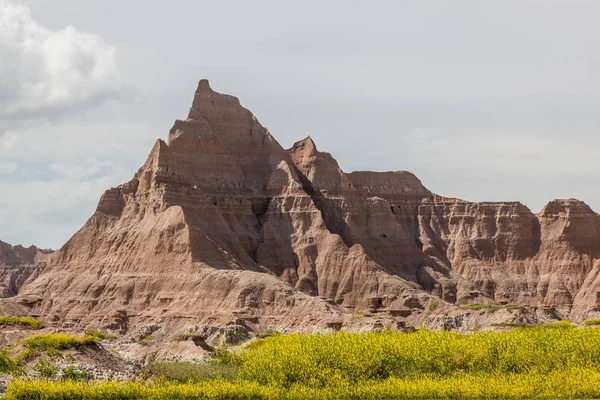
(547,362)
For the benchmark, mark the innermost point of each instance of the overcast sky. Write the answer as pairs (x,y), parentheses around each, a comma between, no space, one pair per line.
(482,100)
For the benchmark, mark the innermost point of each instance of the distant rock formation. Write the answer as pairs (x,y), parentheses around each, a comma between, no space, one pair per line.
(19,265)
(222,225)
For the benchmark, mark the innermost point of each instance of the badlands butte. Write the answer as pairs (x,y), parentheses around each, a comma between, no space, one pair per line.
(224,232)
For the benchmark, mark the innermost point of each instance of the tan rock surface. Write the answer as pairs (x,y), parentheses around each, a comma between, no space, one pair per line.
(222,227)
(19,265)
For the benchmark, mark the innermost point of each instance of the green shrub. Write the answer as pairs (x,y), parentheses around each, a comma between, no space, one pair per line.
(54,353)
(541,362)
(433,305)
(188,335)
(514,325)
(266,334)
(190,372)
(7,364)
(45,369)
(52,343)
(144,341)
(491,308)
(592,322)
(568,384)
(29,322)
(98,335)
(57,341)
(73,374)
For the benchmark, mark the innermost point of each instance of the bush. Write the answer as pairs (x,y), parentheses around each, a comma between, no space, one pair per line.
(73,374)
(592,322)
(190,372)
(28,322)
(98,335)
(45,369)
(491,308)
(145,340)
(542,362)
(7,364)
(52,343)
(56,341)
(188,335)
(568,384)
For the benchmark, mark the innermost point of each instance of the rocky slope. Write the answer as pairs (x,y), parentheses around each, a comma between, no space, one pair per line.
(19,265)
(222,228)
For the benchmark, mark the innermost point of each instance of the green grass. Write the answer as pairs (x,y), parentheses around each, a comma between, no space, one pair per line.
(542,362)
(56,341)
(188,335)
(145,340)
(51,343)
(592,322)
(514,325)
(185,372)
(491,308)
(7,364)
(266,334)
(571,384)
(98,335)
(28,322)
(45,369)
(433,305)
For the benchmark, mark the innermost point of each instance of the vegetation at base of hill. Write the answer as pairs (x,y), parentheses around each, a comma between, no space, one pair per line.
(28,322)
(98,335)
(45,369)
(187,372)
(592,322)
(433,305)
(192,335)
(514,325)
(491,308)
(542,362)
(52,344)
(145,340)
(7,364)
(56,341)
(572,384)
(269,333)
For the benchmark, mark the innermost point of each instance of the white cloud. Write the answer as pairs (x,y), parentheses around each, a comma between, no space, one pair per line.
(8,140)
(48,72)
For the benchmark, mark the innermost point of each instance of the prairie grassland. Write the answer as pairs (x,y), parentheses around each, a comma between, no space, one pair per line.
(547,362)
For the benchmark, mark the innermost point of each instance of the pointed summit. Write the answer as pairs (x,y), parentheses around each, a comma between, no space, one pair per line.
(203,86)
(306,147)
(207,103)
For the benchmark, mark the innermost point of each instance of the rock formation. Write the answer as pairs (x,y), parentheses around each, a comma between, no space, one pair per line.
(19,265)
(223,226)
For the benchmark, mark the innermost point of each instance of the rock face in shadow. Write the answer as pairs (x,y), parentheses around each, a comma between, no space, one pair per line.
(223,225)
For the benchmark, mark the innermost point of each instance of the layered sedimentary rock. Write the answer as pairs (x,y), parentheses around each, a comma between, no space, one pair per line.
(19,265)
(222,224)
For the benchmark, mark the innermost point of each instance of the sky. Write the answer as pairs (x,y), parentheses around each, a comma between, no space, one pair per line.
(494,100)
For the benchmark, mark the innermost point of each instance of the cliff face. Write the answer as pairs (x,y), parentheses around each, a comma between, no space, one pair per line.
(222,223)
(19,265)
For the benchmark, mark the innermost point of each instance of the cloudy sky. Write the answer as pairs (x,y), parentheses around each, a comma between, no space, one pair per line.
(483,100)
